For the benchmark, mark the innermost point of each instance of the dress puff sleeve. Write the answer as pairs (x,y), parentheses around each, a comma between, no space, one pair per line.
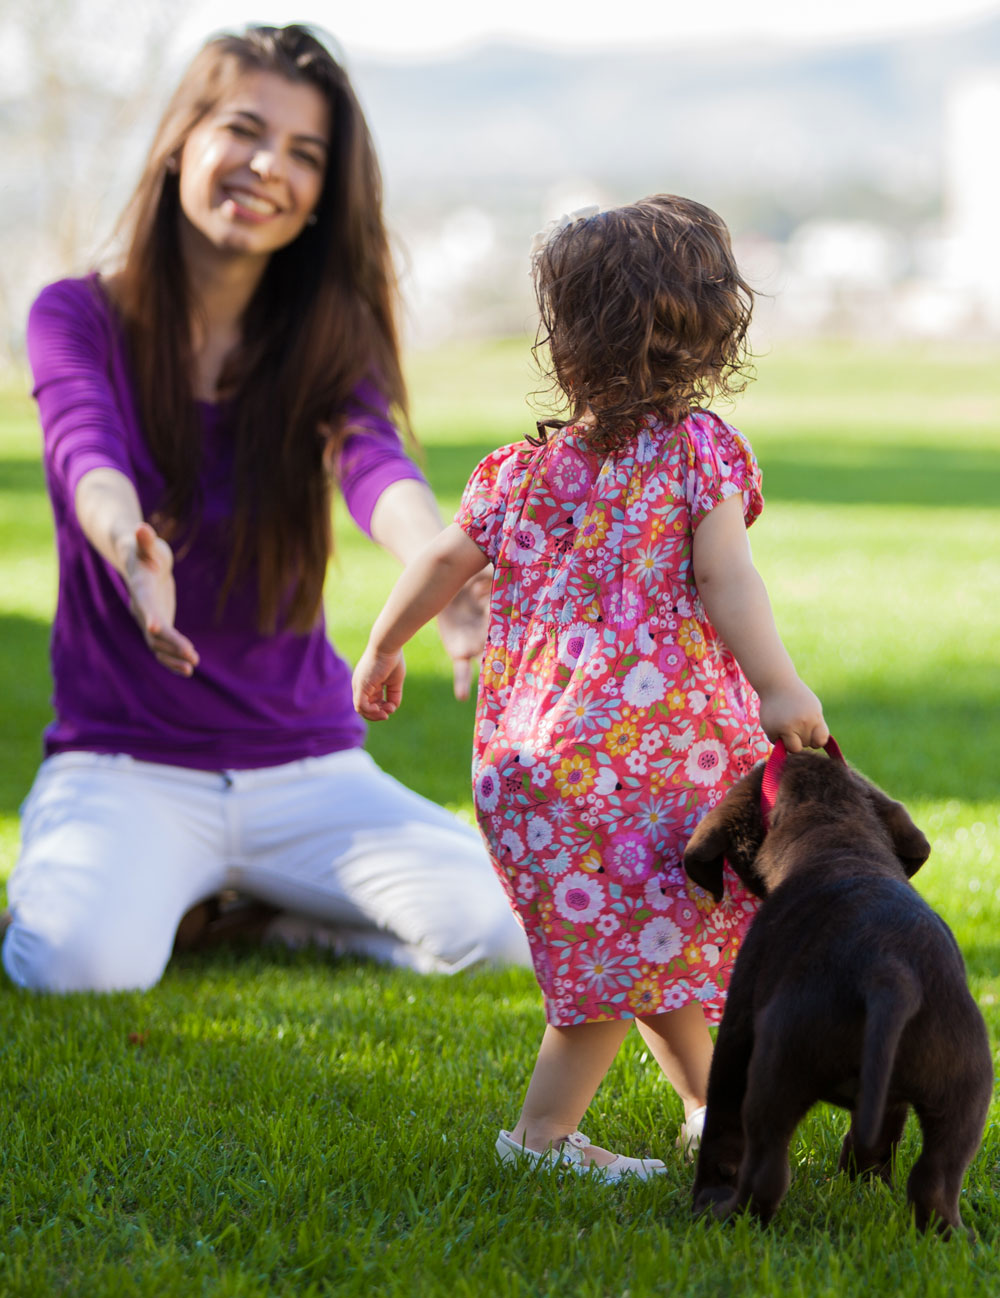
(488,493)
(720,464)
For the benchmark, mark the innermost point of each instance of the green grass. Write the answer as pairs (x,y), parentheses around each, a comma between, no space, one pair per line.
(288,1124)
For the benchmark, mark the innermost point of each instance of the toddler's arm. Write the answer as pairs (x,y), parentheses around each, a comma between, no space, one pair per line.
(425,586)
(737,605)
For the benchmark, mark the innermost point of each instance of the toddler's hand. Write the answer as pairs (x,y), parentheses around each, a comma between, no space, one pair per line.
(378,684)
(794,715)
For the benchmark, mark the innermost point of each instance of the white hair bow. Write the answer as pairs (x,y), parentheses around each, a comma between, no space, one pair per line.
(561,223)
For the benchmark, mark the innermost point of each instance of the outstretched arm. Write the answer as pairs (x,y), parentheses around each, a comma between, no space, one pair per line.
(404,520)
(737,605)
(109,513)
(426,586)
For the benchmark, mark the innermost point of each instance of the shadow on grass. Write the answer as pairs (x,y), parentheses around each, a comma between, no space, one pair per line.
(852,473)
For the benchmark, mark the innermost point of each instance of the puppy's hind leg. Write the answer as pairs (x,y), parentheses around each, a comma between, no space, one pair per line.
(951,1140)
(877,1160)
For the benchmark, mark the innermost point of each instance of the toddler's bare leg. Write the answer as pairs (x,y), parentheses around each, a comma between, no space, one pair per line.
(571,1065)
(680,1043)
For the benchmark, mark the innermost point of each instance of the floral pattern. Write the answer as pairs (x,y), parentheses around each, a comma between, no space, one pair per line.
(610,716)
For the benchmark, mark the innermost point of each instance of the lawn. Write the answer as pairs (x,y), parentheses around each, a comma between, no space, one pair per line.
(278,1123)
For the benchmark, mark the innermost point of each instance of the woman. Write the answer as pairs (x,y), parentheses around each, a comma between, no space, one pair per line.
(196,407)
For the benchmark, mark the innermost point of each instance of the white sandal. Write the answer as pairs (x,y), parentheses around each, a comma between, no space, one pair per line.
(569,1153)
(689,1140)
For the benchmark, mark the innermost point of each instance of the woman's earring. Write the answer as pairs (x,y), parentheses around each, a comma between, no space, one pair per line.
(311,219)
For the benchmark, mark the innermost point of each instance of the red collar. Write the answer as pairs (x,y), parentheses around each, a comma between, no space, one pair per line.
(772,775)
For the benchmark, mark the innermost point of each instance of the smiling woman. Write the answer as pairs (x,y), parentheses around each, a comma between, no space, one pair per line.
(198,406)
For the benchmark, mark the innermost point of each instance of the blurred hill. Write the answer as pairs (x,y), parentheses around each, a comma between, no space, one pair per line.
(479,149)
(776,130)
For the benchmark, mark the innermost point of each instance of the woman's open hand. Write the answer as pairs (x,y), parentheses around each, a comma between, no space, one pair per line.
(462,627)
(149,574)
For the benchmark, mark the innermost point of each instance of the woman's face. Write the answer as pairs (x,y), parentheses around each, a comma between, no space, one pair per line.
(252,170)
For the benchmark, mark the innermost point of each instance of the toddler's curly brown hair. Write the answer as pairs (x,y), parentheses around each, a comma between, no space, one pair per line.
(643,311)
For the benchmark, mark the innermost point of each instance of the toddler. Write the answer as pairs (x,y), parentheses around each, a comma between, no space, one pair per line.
(632,670)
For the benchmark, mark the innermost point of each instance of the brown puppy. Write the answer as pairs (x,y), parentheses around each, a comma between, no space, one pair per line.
(848,989)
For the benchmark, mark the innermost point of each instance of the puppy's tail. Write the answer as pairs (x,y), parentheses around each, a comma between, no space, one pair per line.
(890,1003)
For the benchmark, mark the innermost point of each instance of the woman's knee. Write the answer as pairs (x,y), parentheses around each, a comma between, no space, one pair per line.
(493,938)
(79,960)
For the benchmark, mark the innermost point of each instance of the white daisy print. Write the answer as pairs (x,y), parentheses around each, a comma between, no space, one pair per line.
(539,833)
(644,685)
(660,940)
(512,842)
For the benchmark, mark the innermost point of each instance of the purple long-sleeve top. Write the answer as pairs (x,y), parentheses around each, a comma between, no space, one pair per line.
(255,699)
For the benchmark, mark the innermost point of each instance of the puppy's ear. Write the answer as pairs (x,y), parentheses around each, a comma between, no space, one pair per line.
(706,851)
(908,842)
(732,831)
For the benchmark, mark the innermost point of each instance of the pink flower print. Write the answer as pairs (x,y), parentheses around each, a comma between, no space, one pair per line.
(608,923)
(579,897)
(487,788)
(527,541)
(636,763)
(577,643)
(568,474)
(644,685)
(660,940)
(628,859)
(670,659)
(676,996)
(651,742)
(710,954)
(706,762)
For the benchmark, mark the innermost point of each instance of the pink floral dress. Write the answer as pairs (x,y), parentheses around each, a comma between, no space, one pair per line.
(610,715)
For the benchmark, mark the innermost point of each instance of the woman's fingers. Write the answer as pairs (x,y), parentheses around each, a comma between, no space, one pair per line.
(153,602)
(462,677)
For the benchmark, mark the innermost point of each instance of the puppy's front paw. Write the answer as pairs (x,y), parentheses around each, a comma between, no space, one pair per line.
(720,1200)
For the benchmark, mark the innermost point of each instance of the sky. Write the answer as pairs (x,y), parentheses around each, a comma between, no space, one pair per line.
(406,30)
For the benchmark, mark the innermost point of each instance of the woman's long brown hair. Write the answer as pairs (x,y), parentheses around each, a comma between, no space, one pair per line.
(321,320)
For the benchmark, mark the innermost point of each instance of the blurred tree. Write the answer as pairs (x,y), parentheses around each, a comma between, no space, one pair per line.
(81,82)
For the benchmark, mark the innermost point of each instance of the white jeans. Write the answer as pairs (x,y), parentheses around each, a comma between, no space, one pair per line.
(114,851)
